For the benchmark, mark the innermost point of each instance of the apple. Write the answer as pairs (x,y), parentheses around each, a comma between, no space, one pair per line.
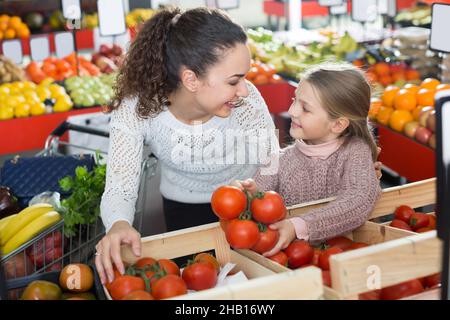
(423,135)
(411,128)
(423,115)
(431,120)
(432,141)
(117,50)
(104,49)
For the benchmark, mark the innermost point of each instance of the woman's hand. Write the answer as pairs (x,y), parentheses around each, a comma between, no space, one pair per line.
(287,235)
(249,185)
(108,249)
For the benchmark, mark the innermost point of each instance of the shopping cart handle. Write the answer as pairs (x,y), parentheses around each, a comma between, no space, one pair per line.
(66,126)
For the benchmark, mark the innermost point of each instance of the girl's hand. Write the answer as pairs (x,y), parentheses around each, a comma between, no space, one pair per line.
(249,185)
(108,249)
(287,235)
(377,165)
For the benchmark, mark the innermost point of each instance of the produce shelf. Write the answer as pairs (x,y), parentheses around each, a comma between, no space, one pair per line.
(24,134)
(407,157)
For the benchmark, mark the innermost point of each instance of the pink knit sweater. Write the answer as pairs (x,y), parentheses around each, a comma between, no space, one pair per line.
(347,174)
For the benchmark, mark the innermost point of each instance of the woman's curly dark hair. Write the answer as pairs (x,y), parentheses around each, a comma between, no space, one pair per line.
(194,39)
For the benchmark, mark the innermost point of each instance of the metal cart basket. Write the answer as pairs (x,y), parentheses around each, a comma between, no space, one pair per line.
(51,250)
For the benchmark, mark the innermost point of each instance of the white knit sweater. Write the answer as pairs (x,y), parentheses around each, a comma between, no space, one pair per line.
(194,159)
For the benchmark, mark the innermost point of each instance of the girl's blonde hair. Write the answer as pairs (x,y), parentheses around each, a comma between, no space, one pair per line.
(344,92)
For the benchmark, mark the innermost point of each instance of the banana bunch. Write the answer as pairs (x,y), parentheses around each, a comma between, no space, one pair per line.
(345,45)
(17,229)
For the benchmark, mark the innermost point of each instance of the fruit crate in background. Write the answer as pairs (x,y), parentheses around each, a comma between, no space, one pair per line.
(26,134)
(400,255)
(263,283)
(405,156)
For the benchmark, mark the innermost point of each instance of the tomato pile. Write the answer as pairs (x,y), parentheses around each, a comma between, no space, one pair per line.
(404,289)
(245,219)
(151,279)
(407,219)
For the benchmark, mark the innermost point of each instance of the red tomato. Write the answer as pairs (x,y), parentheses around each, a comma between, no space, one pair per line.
(141,263)
(280,257)
(200,276)
(433,280)
(228,202)
(419,220)
(267,240)
(269,208)
(324,259)
(206,257)
(371,295)
(299,253)
(123,285)
(340,242)
(403,213)
(357,245)
(326,278)
(400,224)
(224,224)
(169,266)
(432,223)
(138,295)
(276,79)
(401,290)
(168,286)
(242,234)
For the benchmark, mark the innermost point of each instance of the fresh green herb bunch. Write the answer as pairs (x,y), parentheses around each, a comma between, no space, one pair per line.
(83,205)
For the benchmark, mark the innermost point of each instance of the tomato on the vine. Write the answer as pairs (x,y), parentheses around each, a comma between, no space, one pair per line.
(168,286)
(268,207)
(228,202)
(299,253)
(200,276)
(242,234)
(267,240)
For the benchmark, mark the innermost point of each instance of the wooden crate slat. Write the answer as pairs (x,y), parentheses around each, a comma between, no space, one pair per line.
(398,260)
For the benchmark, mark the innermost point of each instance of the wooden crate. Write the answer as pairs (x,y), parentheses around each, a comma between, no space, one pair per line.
(399,255)
(300,284)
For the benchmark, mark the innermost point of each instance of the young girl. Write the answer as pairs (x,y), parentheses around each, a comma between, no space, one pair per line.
(333,155)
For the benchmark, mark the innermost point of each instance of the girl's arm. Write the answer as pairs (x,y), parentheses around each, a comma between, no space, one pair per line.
(359,191)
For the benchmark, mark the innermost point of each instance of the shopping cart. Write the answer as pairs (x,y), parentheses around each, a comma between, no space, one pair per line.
(51,250)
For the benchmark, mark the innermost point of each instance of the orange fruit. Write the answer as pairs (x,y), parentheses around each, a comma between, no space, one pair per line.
(23,31)
(15,22)
(430,84)
(399,118)
(416,112)
(371,76)
(252,73)
(425,97)
(411,87)
(260,79)
(375,105)
(9,34)
(382,69)
(412,74)
(4,18)
(3,26)
(389,96)
(443,86)
(399,75)
(405,100)
(384,114)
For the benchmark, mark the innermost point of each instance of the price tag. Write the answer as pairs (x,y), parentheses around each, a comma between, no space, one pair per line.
(111,17)
(440,26)
(339,10)
(364,10)
(40,48)
(64,44)
(12,49)
(330,3)
(71,9)
(387,7)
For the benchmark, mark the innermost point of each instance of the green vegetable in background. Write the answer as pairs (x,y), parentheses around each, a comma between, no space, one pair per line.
(83,205)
